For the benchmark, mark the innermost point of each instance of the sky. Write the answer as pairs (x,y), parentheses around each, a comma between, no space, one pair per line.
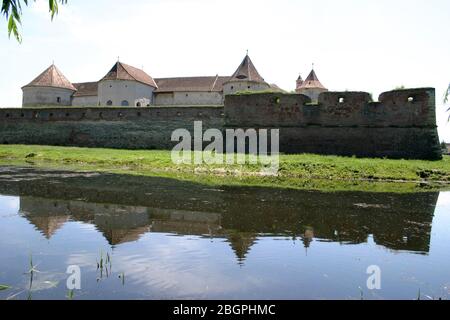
(356,45)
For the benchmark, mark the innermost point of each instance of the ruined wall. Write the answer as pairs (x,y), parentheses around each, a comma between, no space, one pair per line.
(125,128)
(401,125)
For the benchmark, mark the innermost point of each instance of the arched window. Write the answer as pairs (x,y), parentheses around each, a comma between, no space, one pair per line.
(125,103)
(109,103)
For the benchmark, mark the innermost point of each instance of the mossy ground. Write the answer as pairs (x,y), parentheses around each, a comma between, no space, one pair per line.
(303,171)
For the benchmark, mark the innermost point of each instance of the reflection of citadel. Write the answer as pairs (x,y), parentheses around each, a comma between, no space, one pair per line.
(125,207)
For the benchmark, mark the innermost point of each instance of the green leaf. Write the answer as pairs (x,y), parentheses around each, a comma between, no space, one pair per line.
(4,287)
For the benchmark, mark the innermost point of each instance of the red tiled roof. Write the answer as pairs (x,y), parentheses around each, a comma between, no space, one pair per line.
(86,89)
(312,82)
(122,71)
(247,72)
(193,84)
(51,77)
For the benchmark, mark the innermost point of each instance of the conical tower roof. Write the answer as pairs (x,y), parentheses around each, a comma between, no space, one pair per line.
(312,81)
(247,72)
(122,71)
(52,77)
(241,244)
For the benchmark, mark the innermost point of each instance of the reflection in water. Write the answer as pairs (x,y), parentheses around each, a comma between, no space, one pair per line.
(125,207)
(125,210)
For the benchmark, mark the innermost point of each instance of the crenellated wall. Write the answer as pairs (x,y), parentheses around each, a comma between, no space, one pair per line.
(401,125)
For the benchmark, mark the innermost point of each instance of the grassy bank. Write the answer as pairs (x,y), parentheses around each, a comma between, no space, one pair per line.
(296,171)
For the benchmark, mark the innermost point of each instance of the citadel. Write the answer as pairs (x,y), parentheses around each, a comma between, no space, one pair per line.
(128,109)
(125,85)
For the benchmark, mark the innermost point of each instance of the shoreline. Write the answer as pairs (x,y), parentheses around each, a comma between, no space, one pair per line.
(303,171)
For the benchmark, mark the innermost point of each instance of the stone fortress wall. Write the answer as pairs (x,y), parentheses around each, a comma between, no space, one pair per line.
(401,125)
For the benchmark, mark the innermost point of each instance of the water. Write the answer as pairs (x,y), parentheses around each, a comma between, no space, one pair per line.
(180,240)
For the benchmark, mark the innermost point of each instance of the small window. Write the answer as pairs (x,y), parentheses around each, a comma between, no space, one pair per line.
(58,99)
(187,95)
(411,99)
(125,103)
(232,87)
(341,100)
(109,103)
(138,104)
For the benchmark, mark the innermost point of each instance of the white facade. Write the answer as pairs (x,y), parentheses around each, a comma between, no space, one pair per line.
(188,98)
(312,93)
(46,96)
(123,92)
(239,86)
(125,85)
(85,101)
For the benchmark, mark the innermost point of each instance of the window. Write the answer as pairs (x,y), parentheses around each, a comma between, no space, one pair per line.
(138,104)
(109,103)
(124,103)
(58,99)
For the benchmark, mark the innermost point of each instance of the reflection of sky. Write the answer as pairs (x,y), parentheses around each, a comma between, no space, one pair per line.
(164,266)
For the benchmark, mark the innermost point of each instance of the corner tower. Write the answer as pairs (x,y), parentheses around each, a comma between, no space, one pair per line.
(312,87)
(50,88)
(125,85)
(245,78)
(299,83)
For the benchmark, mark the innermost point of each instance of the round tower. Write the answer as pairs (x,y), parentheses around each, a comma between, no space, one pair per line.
(312,87)
(125,85)
(50,88)
(245,78)
(298,83)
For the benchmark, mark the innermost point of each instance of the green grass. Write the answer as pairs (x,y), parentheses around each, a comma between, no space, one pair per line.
(303,171)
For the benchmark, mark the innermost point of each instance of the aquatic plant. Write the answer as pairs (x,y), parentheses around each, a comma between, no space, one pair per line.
(70,295)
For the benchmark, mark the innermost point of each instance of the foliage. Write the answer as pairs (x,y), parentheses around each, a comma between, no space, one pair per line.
(12,10)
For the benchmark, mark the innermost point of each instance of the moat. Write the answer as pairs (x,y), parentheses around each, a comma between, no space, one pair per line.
(165,239)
